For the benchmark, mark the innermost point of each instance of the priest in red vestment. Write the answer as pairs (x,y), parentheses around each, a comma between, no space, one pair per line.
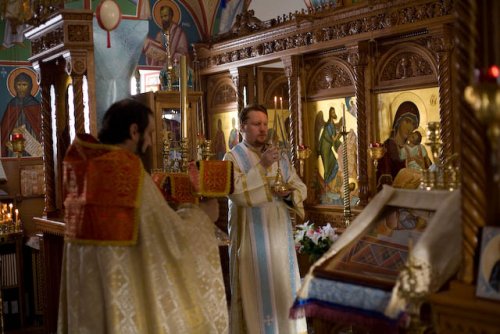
(131,263)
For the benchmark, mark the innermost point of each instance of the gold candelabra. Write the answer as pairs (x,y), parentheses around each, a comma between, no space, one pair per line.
(443,175)
(10,221)
(206,150)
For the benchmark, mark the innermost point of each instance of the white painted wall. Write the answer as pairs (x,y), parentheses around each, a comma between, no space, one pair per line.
(269,9)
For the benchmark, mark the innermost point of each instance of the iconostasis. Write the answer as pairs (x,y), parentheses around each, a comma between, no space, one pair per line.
(324,137)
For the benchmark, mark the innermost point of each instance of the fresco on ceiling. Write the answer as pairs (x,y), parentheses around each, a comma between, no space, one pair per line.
(188,21)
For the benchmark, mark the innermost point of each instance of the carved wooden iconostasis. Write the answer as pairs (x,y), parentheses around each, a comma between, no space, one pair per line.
(366,62)
(223,123)
(223,106)
(272,87)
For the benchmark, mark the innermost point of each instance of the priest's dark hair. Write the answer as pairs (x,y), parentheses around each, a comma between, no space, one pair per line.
(118,119)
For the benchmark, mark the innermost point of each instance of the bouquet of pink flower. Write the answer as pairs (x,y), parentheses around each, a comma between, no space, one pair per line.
(314,241)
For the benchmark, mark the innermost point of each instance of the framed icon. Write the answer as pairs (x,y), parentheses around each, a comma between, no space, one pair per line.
(488,280)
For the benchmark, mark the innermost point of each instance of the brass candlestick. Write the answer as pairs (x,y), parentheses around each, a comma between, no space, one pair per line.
(166,71)
(444,175)
(345,173)
(206,151)
(166,151)
(184,155)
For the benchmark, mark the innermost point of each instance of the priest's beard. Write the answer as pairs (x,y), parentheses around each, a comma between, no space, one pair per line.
(140,150)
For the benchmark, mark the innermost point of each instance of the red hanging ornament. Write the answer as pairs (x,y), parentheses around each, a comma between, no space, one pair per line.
(108,16)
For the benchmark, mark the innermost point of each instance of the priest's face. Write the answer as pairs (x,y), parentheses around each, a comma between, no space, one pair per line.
(254,130)
(146,138)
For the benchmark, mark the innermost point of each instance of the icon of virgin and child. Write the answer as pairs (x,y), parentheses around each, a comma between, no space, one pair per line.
(405,156)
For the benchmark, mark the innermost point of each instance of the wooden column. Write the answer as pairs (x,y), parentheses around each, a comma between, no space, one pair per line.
(76,67)
(473,150)
(442,44)
(296,123)
(46,73)
(358,58)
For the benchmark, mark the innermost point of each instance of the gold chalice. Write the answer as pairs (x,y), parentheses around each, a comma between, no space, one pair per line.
(376,151)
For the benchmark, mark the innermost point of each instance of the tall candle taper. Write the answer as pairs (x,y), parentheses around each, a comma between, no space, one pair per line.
(343,117)
(183,97)
(345,173)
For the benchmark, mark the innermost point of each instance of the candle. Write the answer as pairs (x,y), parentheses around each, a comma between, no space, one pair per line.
(343,116)
(17,215)
(16,136)
(10,208)
(281,104)
(275,101)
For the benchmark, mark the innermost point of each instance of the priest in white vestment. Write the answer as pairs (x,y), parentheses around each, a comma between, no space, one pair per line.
(131,263)
(263,262)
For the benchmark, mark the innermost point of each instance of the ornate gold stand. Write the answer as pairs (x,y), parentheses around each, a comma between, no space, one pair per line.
(376,151)
(303,153)
(345,179)
(445,175)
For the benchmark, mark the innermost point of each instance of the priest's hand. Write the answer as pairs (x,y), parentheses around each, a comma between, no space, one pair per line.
(211,207)
(283,194)
(270,156)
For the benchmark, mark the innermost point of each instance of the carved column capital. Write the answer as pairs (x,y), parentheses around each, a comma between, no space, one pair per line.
(76,67)
(240,80)
(76,62)
(442,42)
(235,76)
(290,65)
(358,54)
